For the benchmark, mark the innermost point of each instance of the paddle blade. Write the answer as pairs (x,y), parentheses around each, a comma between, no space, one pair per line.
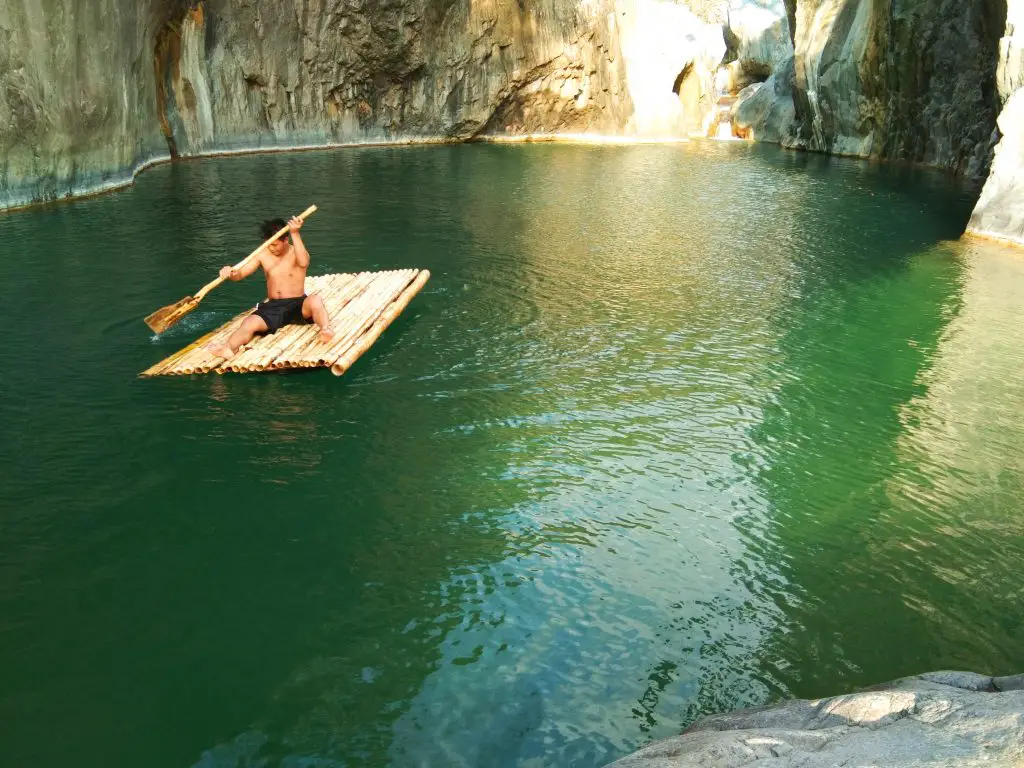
(167,316)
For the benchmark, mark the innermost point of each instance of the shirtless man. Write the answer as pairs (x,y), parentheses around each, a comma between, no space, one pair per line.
(284,265)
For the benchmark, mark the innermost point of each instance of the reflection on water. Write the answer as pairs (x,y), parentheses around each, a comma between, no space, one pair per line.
(958,490)
(672,429)
(964,424)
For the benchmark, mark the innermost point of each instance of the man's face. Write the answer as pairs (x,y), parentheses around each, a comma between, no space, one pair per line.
(278,247)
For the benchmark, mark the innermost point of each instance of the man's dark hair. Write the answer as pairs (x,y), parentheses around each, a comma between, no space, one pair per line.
(268,228)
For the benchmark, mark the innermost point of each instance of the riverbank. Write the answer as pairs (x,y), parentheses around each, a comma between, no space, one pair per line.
(940,719)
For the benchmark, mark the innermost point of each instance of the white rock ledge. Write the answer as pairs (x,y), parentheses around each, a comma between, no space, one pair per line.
(940,719)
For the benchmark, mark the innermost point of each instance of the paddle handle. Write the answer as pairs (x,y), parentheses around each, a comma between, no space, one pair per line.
(214,283)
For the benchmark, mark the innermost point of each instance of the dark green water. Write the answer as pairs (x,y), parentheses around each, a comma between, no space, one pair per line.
(671,430)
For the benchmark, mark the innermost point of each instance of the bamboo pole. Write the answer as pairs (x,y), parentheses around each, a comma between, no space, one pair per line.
(160,368)
(254,356)
(385,296)
(207,362)
(353,309)
(265,355)
(238,362)
(200,359)
(264,349)
(384,301)
(347,360)
(339,300)
(375,301)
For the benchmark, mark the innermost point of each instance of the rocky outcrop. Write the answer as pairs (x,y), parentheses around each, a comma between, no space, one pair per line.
(759,73)
(759,42)
(77,96)
(938,720)
(913,81)
(765,111)
(1000,210)
(87,96)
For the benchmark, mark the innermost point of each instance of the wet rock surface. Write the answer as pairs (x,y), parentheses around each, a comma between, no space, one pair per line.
(941,719)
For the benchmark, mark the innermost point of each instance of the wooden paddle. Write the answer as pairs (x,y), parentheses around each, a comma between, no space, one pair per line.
(167,316)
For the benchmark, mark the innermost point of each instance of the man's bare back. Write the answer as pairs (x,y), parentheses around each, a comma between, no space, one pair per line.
(284,266)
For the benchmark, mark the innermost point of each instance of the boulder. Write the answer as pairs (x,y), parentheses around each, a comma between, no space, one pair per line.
(936,720)
(765,111)
(759,42)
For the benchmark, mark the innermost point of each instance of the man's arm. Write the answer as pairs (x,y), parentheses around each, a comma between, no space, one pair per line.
(301,254)
(230,273)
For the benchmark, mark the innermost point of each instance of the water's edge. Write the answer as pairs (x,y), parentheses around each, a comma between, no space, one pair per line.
(126,177)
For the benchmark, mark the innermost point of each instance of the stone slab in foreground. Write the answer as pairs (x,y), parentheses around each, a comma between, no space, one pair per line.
(940,719)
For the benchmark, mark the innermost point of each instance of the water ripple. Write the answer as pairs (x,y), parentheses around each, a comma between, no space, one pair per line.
(671,430)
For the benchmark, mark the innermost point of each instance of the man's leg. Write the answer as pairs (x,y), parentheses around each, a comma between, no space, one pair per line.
(252,325)
(313,309)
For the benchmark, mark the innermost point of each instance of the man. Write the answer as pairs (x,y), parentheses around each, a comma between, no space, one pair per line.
(284,264)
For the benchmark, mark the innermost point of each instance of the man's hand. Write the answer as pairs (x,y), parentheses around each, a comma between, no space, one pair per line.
(295,224)
(227,273)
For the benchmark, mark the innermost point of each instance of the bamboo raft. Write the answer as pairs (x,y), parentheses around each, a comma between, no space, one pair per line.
(361,306)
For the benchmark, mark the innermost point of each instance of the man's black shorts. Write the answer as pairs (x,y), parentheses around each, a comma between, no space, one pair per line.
(280,312)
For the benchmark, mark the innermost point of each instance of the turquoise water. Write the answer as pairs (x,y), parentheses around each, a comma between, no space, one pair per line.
(671,430)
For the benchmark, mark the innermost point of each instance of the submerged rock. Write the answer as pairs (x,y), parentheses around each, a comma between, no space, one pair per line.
(939,720)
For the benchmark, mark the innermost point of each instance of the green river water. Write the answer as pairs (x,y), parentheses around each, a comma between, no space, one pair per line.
(671,430)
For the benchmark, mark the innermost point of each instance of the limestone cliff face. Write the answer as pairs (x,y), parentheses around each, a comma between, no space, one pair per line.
(77,96)
(91,91)
(262,74)
(1000,210)
(272,73)
(911,80)
(88,92)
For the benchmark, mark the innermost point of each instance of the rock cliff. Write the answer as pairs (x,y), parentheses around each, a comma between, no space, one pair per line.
(1000,210)
(77,95)
(938,720)
(905,79)
(87,96)
(91,92)
(911,80)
